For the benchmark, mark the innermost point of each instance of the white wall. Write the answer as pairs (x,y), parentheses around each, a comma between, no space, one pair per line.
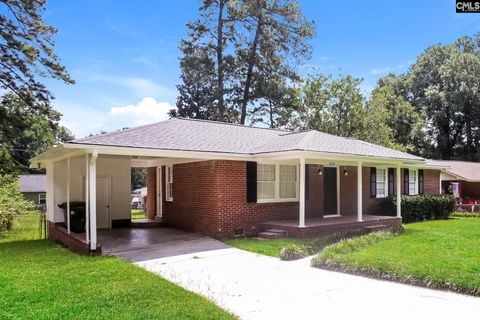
(117,168)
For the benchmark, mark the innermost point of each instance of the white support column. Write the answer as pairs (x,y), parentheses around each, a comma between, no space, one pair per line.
(359,192)
(50,192)
(399,192)
(87,204)
(68,195)
(301,213)
(93,200)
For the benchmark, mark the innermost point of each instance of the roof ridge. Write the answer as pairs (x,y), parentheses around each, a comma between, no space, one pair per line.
(233,124)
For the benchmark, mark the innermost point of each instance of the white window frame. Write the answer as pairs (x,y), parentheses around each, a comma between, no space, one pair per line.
(277,183)
(386,182)
(168,182)
(415,173)
(40,198)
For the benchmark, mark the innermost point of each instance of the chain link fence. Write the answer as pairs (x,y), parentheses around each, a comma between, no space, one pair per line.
(27,226)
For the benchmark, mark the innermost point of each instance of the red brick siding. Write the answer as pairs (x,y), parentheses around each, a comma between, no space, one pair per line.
(73,241)
(315,201)
(431,181)
(151,205)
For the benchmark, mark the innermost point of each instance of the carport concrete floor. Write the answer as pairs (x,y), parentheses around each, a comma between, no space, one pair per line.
(254,286)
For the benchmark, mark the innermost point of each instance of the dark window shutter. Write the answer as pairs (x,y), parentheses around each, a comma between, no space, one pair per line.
(406,182)
(373,182)
(307,181)
(251,181)
(420,181)
(391,181)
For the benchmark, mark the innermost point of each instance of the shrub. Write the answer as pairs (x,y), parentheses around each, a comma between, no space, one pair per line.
(12,202)
(464,214)
(294,252)
(422,207)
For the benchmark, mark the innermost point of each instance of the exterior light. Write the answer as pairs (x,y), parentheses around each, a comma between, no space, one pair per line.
(345,172)
(319,171)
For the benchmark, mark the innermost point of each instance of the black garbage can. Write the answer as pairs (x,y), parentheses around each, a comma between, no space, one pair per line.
(77,215)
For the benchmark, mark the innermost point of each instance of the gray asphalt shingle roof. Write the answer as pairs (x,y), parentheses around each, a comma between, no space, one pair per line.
(467,170)
(32,183)
(211,136)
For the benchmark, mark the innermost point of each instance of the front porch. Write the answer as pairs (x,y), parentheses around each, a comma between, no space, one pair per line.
(317,227)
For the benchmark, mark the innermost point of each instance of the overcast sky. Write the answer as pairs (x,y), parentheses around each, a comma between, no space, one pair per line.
(124,54)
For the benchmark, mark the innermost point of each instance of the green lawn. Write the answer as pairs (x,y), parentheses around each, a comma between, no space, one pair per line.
(25,227)
(138,214)
(41,280)
(446,251)
(267,247)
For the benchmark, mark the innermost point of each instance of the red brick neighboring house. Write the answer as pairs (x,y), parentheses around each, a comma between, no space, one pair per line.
(223,179)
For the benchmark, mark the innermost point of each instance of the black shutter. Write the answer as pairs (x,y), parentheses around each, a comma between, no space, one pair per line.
(307,181)
(251,181)
(405,182)
(391,182)
(420,181)
(373,182)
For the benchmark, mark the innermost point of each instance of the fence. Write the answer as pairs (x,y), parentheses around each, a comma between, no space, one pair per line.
(31,226)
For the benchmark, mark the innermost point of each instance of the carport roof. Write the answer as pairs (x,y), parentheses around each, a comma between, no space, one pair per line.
(181,134)
(465,170)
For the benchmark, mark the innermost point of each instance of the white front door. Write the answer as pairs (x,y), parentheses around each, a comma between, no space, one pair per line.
(103,203)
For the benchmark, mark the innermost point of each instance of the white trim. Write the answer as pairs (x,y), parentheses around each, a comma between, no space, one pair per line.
(301,206)
(92,179)
(385,195)
(87,202)
(68,195)
(277,182)
(168,187)
(359,192)
(44,194)
(332,216)
(410,171)
(399,191)
(159,199)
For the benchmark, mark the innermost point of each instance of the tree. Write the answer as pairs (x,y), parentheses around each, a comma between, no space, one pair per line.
(26,131)
(26,50)
(139,178)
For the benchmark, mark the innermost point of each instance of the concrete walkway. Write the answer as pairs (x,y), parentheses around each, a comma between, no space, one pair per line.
(259,287)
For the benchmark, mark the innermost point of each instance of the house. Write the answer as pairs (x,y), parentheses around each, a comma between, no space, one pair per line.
(222,180)
(461,178)
(138,198)
(34,188)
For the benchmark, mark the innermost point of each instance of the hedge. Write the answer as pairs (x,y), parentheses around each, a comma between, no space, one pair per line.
(422,207)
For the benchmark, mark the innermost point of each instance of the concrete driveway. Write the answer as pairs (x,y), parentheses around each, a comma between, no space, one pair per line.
(259,287)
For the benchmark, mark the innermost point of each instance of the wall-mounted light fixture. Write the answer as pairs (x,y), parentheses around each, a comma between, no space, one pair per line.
(345,172)
(319,171)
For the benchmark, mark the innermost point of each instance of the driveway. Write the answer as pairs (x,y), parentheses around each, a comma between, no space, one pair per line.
(259,287)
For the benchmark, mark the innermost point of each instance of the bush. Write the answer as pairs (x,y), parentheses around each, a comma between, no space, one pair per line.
(12,202)
(422,207)
(294,252)
(464,214)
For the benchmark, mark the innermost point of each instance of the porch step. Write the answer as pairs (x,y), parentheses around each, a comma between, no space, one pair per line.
(273,234)
(376,227)
(145,223)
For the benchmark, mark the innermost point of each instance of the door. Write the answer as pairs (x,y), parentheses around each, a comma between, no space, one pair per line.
(103,202)
(330,191)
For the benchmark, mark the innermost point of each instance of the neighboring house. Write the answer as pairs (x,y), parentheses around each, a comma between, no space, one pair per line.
(138,198)
(34,188)
(461,178)
(222,179)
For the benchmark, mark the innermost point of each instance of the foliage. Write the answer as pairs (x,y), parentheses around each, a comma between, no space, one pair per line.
(28,226)
(239,59)
(440,253)
(26,131)
(294,252)
(139,177)
(422,207)
(41,280)
(12,202)
(138,214)
(26,51)
(465,214)
(267,247)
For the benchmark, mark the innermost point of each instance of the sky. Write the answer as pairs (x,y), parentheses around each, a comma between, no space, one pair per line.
(124,55)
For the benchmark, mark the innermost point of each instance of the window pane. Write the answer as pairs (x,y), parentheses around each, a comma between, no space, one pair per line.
(265,181)
(288,181)
(381,183)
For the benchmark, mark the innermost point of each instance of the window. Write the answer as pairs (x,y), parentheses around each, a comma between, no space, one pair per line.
(382,183)
(288,181)
(266,178)
(42,198)
(412,182)
(277,182)
(169,184)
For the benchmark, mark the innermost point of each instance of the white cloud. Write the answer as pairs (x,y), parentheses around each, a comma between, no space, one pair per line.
(380,70)
(147,110)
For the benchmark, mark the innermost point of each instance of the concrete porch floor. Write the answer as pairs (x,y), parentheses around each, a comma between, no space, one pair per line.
(139,244)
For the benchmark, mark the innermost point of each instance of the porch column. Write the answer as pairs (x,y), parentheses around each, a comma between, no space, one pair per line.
(399,192)
(68,195)
(359,192)
(92,179)
(301,213)
(87,204)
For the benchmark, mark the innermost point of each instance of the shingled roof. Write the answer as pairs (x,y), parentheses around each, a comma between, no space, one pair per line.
(210,136)
(465,170)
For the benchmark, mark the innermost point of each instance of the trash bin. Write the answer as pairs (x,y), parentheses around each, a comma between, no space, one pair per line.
(77,216)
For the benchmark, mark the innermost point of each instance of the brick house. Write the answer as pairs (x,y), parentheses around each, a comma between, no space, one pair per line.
(223,179)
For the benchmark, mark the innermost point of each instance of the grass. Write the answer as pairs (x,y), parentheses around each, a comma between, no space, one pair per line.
(25,227)
(138,214)
(445,251)
(266,247)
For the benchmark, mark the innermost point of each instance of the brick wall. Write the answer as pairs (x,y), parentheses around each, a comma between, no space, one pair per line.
(151,205)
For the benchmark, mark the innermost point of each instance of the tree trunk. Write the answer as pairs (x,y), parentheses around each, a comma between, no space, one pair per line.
(470,149)
(221,107)
(251,63)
